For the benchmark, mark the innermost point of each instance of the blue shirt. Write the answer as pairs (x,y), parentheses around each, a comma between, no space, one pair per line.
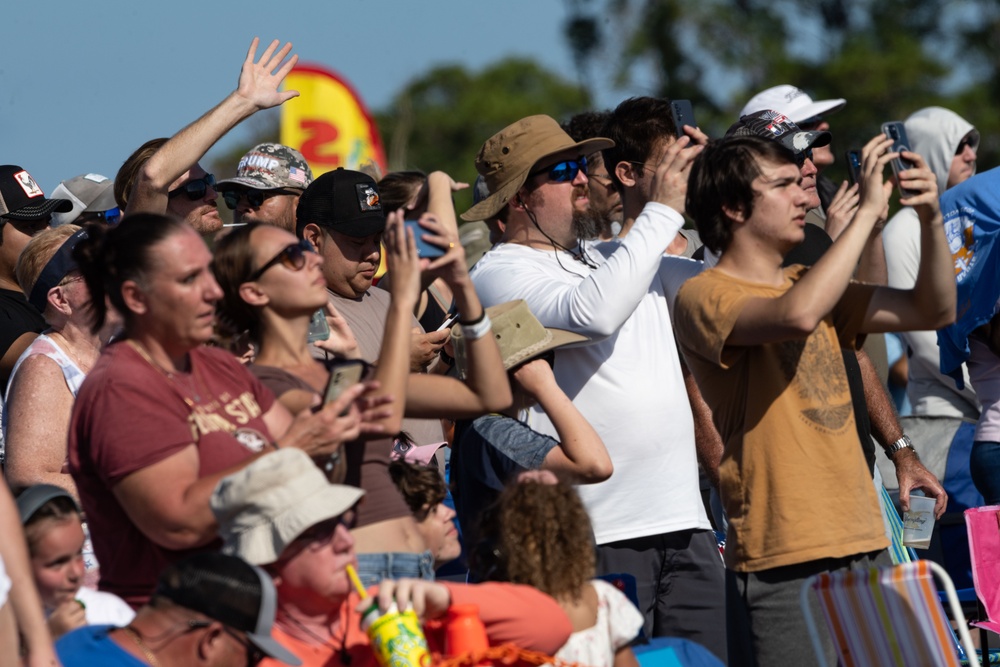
(91,645)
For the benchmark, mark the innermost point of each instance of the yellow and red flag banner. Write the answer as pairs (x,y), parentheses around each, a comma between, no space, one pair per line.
(328,122)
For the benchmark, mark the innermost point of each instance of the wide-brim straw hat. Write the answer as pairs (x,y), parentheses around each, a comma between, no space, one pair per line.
(506,159)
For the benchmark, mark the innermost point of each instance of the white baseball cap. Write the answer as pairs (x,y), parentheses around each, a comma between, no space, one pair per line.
(792,102)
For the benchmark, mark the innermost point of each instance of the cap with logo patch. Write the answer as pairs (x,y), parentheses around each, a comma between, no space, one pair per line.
(271,166)
(777,127)
(22,199)
(343,201)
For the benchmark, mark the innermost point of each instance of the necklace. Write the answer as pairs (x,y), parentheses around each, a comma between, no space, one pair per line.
(172,378)
(345,656)
(137,638)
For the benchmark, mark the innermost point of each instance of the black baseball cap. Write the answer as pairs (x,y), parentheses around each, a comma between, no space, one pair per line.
(343,201)
(776,126)
(229,590)
(22,199)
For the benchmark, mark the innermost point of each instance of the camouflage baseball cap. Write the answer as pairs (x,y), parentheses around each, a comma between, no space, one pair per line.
(269,167)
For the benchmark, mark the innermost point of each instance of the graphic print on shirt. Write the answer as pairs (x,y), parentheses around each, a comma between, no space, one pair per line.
(822,384)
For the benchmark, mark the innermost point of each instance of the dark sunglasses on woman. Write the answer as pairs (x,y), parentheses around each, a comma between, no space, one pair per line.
(292,256)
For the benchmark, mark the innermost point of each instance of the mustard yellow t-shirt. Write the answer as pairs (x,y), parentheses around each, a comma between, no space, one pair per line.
(793,477)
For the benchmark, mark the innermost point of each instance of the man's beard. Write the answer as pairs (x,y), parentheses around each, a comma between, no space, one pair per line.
(587,224)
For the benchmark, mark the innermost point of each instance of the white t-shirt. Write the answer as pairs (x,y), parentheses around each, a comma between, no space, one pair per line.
(628,381)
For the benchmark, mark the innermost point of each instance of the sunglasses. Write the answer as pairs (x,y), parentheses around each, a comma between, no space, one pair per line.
(565,171)
(194,189)
(802,156)
(970,140)
(254,197)
(112,216)
(292,257)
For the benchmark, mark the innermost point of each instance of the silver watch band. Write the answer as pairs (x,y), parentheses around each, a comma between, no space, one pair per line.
(902,443)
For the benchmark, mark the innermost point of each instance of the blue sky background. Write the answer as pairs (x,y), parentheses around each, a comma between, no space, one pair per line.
(82,85)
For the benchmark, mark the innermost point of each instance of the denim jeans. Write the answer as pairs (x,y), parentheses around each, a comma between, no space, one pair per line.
(984,464)
(373,568)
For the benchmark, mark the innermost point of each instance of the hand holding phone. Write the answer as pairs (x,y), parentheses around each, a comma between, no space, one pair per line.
(896,131)
(425,250)
(683,114)
(343,374)
(853,158)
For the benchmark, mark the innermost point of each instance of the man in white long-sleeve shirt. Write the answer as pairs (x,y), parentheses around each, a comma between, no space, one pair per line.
(648,518)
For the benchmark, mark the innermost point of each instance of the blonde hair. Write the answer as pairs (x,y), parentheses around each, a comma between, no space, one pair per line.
(37,254)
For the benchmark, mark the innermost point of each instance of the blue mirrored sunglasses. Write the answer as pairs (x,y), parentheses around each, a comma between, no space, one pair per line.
(802,156)
(565,171)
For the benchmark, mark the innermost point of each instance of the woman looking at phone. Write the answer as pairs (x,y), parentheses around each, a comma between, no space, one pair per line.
(161,417)
(273,284)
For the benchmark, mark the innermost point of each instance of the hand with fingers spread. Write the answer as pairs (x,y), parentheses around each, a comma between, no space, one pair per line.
(841,210)
(260,80)
(670,181)
(325,430)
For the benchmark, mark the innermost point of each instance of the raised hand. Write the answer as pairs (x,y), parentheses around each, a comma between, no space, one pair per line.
(919,188)
(259,82)
(671,179)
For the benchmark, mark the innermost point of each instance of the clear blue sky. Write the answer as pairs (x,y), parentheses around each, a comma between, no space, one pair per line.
(84,84)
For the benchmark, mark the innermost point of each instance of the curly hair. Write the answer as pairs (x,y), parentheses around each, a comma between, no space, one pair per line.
(422,487)
(545,539)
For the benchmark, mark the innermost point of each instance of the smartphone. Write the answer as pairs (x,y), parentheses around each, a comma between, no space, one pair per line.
(683,115)
(425,250)
(318,328)
(853,158)
(900,142)
(343,374)
(449,320)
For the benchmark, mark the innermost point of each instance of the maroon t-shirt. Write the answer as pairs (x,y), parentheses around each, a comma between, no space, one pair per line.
(130,415)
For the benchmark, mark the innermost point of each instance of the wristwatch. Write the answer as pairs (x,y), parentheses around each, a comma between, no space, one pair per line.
(902,443)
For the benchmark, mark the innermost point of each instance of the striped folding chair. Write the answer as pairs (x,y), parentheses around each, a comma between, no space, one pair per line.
(888,616)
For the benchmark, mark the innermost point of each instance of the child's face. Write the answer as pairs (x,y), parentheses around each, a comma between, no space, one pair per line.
(57,560)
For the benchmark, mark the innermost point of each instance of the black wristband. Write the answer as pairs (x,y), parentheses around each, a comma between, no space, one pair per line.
(473,322)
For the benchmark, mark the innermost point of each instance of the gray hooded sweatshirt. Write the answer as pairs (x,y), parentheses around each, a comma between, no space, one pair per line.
(935,134)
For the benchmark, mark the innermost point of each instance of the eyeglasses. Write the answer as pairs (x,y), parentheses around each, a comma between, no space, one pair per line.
(292,256)
(802,156)
(254,655)
(565,171)
(254,197)
(194,189)
(971,140)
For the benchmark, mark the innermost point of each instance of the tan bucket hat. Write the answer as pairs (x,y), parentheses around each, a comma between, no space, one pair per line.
(519,335)
(264,507)
(506,159)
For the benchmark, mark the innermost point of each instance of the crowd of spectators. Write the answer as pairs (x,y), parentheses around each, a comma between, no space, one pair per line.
(656,356)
